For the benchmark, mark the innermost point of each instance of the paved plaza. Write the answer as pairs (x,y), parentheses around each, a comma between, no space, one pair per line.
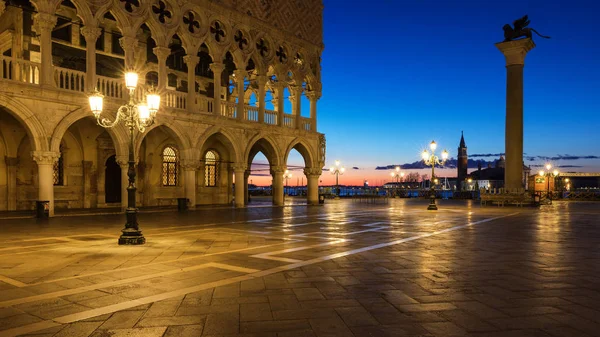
(343,269)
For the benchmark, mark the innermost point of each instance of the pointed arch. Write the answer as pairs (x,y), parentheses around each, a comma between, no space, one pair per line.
(33,127)
(224,136)
(172,129)
(265,144)
(305,150)
(118,134)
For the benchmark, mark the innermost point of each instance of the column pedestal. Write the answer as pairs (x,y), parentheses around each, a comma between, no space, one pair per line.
(514,52)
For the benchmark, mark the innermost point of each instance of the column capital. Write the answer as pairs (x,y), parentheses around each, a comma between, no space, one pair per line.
(313,171)
(90,33)
(217,67)
(515,51)
(277,170)
(11,161)
(189,164)
(45,157)
(128,42)
(191,60)
(239,167)
(240,73)
(313,95)
(161,53)
(45,21)
(262,79)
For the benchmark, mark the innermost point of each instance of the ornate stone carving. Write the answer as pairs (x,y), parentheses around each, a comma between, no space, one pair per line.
(189,164)
(190,19)
(313,171)
(45,157)
(277,170)
(91,34)
(322,148)
(45,22)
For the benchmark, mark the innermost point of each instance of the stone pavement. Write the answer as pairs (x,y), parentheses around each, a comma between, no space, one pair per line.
(344,269)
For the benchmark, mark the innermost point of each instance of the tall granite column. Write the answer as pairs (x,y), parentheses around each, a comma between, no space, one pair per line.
(514,52)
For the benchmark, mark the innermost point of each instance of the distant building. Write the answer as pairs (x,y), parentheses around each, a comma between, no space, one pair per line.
(462,164)
(568,181)
(493,177)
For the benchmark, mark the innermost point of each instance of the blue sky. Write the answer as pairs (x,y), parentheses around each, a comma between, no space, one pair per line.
(397,74)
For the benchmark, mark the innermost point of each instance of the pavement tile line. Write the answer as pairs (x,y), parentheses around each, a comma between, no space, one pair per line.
(97,286)
(184,291)
(151,264)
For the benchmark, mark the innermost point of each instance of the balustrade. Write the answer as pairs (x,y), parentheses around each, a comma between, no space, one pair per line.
(270,117)
(289,121)
(19,70)
(251,113)
(306,123)
(205,104)
(175,99)
(228,109)
(69,79)
(111,87)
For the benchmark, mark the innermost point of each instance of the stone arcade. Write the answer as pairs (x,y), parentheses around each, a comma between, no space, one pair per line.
(223,68)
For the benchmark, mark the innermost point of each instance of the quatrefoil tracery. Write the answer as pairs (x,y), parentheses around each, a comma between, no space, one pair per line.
(262,47)
(191,22)
(241,41)
(216,29)
(162,11)
(281,54)
(130,4)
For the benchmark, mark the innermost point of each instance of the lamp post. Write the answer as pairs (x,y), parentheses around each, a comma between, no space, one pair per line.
(337,171)
(135,115)
(548,173)
(432,159)
(469,181)
(287,175)
(397,175)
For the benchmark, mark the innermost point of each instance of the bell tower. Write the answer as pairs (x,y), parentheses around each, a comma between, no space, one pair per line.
(462,163)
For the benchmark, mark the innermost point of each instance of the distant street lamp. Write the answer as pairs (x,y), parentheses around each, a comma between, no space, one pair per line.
(397,175)
(136,116)
(337,171)
(287,175)
(432,159)
(549,173)
(469,181)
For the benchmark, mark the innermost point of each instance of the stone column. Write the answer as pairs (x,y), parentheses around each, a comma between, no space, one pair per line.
(87,167)
(189,168)
(246,195)
(514,52)
(296,105)
(277,189)
(279,102)
(312,185)
(129,43)
(124,163)
(192,62)
(313,97)
(11,182)
(90,34)
(45,161)
(162,53)
(240,176)
(262,82)
(217,68)
(45,22)
(239,77)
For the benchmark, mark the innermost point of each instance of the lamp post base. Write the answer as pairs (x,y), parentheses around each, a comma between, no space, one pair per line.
(132,235)
(432,206)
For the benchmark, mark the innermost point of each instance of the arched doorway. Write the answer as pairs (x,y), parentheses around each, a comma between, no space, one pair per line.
(112,180)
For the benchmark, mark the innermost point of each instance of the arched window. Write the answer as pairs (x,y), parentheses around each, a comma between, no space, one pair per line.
(169,166)
(211,165)
(58,170)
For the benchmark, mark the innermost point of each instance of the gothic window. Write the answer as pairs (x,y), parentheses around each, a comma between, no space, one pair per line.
(262,47)
(57,170)
(211,166)
(281,54)
(169,166)
(241,41)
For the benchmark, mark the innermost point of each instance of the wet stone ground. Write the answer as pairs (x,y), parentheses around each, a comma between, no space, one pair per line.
(343,269)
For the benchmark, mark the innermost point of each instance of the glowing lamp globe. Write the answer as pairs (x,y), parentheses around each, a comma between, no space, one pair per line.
(131,80)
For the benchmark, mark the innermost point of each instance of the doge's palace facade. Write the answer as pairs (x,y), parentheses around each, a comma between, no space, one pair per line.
(236,77)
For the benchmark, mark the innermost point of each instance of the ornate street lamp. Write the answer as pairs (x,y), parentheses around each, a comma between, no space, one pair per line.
(432,159)
(337,171)
(287,175)
(135,115)
(548,173)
